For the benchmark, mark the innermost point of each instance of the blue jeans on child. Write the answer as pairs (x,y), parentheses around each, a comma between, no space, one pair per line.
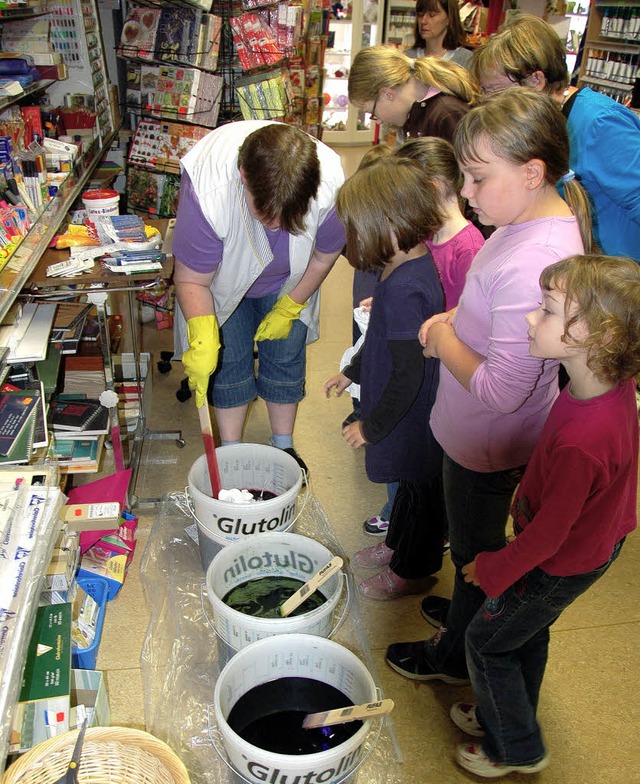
(507,646)
(385,512)
(477,506)
(281,363)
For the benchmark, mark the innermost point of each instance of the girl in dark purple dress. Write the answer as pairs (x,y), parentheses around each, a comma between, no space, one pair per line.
(388,208)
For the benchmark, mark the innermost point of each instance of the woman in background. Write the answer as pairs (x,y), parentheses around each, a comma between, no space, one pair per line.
(439,33)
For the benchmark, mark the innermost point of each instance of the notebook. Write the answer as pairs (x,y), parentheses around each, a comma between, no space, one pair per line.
(16,408)
(22,446)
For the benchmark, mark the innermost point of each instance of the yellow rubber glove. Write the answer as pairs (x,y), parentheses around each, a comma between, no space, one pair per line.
(277,323)
(201,359)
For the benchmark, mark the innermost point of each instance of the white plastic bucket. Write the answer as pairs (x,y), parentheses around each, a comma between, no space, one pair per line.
(265,555)
(245,466)
(291,656)
(101,203)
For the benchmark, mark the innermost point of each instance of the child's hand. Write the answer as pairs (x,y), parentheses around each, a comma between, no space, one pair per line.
(352,434)
(365,304)
(437,332)
(338,383)
(439,318)
(469,572)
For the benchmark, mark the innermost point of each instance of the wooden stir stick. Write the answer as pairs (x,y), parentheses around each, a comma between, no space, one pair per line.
(209,449)
(343,715)
(320,577)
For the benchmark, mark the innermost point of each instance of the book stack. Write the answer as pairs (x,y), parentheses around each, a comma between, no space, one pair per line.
(78,455)
(78,417)
(79,428)
(68,325)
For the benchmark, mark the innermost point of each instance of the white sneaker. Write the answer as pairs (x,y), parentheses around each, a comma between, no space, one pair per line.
(463,715)
(471,757)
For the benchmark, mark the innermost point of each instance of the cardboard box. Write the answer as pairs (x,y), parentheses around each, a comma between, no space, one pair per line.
(43,708)
(89,696)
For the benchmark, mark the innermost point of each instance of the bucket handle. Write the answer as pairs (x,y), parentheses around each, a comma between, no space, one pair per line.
(347,603)
(214,736)
(192,511)
(204,600)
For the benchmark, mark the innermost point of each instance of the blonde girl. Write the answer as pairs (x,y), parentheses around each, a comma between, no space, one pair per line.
(423,97)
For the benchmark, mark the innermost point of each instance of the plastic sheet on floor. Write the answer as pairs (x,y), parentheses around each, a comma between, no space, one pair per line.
(180,661)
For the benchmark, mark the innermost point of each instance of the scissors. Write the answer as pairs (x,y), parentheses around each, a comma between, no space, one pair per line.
(71,774)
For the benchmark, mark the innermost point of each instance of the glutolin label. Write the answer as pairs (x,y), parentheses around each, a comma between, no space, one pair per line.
(258,771)
(236,526)
(242,565)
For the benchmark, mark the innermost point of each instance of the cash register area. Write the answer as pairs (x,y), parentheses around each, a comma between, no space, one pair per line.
(590,703)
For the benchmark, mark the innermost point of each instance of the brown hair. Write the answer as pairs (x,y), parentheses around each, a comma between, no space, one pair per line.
(454,35)
(520,124)
(604,293)
(390,195)
(438,161)
(282,172)
(374,154)
(525,46)
(385,66)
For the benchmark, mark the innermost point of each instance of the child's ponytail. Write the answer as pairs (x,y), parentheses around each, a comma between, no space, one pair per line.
(578,199)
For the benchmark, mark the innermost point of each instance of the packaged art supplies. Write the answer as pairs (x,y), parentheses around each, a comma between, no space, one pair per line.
(139,33)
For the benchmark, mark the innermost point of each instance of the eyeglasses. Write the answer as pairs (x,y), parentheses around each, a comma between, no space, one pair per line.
(373,110)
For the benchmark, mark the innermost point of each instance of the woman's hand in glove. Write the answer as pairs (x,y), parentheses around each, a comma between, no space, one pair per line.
(201,359)
(276,325)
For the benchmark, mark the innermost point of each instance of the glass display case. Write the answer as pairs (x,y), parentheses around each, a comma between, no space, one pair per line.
(354,26)
(400,23)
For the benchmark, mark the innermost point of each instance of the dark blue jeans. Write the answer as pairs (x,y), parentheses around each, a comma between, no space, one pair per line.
(507,648)
(477,508)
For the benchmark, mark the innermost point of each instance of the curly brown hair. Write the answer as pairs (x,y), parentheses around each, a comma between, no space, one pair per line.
(604,293)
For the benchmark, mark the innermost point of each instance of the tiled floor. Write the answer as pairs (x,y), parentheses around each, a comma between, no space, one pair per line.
(590,706)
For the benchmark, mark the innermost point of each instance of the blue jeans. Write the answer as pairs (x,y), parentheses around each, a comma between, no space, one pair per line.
(477,508)
(507,647)
(385,512)
(281,366)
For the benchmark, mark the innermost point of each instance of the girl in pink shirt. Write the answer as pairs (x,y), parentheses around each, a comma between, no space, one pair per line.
(456,243)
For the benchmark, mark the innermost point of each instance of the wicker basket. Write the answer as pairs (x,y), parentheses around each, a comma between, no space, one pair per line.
(110,755)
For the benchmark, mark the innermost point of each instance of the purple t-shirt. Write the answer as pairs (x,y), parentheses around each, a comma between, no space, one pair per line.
(198,247)
(496,425)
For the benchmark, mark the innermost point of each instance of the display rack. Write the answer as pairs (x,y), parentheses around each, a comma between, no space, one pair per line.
(611,60)
(276,76)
